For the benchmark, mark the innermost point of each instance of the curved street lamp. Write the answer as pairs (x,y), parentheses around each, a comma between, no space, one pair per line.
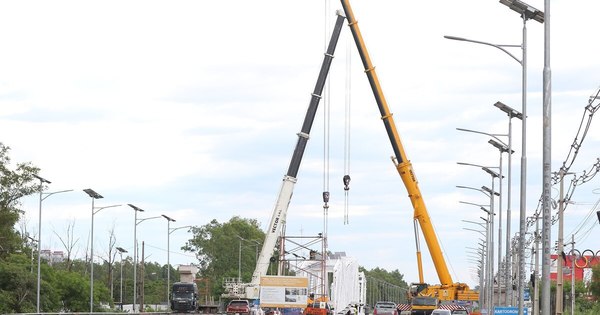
(135,223)
(121,251)
(502,148)
(94,195)
(169,231)
(169,220)
(39,240)
(138,221)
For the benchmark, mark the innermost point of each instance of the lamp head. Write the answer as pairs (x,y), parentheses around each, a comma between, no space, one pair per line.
(508,110)
(500,146)
(43,180)
(92,193)
(489,171)
(168,218)
(525,10)
(135,208)
(489,191)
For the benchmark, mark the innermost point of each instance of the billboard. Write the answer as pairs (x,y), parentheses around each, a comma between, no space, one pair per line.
(283,291)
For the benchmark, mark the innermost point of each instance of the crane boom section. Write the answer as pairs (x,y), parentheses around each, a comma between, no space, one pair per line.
(289,180)
(403,166)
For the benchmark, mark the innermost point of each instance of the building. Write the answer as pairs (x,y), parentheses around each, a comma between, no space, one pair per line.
(583,267)
(52,257)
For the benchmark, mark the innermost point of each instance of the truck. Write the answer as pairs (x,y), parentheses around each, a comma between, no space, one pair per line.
(423,305)
(184,297)
(447,290)
(317,308)
(251,290)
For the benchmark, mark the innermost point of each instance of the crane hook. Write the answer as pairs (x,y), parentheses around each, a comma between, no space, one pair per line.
(346,180)
(325,197)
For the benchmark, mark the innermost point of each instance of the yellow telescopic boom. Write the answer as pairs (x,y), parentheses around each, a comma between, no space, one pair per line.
(403,165)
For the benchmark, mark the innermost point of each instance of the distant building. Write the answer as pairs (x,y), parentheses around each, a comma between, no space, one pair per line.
(187,273)
(57,257)
(52,257)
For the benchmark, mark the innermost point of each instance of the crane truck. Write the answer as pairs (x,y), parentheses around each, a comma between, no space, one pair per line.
(447,289)
(251,290)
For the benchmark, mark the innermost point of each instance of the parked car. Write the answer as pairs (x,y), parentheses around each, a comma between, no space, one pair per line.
(460,312)
(238,307)
(272,311)
(385,308)
(439,311)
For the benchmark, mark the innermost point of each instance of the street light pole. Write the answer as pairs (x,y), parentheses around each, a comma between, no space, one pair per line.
(489,249)
(526,12)
(42,181)
(39,240)
(138,221)
(507,268)
(484,277)
(481,268)
(94,195)
(490,261)
(169,220)
(135,223)
(502,147)
(121,251)
(493,193)
(171,230)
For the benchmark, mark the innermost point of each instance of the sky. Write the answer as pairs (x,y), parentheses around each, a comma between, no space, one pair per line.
(191,109)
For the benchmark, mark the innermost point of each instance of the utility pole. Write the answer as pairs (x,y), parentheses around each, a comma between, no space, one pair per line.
(572,274)
(560,248)
(141,287)
(536,281)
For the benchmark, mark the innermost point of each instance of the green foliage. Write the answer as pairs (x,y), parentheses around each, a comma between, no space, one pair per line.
(217,247)
(17,283)
(14,184)
(74,290)
(595,284)
(394,277)
(586,307)
(385,285)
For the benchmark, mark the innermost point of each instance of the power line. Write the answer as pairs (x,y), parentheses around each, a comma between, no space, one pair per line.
(589,111)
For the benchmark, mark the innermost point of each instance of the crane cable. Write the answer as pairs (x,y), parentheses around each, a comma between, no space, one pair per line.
(326,129)
(347,103)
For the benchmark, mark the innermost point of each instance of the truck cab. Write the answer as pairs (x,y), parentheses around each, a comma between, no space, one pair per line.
(184,297)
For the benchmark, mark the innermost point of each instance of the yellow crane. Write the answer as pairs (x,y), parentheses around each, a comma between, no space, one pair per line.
(447,289)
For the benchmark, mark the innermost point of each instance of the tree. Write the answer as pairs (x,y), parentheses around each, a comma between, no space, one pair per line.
(380,282)
(14,184)
(216,246)
(17,285)
(595,283)
(68,242)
